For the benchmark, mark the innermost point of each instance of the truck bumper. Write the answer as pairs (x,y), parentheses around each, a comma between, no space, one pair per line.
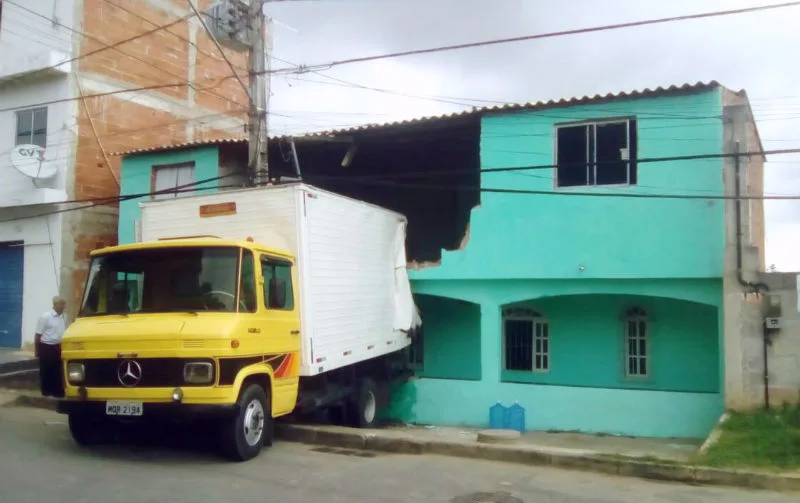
(152,411)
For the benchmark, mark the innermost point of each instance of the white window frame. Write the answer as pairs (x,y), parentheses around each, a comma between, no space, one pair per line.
(178,166)
(540,332)
(32,112)
(638,318)
(597,122)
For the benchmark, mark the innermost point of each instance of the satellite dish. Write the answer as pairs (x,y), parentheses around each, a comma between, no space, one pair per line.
(30,161)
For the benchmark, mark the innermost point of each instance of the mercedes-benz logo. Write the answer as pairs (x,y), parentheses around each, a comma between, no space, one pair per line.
(129,373)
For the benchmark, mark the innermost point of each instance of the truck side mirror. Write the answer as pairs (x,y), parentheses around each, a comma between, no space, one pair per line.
(277,293)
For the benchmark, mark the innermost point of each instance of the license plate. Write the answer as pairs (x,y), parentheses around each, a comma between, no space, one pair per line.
(118,408)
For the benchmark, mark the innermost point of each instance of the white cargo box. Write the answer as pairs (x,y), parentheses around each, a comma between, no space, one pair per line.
(354,295)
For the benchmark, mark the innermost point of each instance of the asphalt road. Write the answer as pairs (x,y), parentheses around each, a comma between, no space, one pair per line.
(39,462)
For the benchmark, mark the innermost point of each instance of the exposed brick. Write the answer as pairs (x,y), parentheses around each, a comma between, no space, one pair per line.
(158,58)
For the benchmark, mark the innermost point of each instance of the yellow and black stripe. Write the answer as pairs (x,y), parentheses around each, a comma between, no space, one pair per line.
(281,364)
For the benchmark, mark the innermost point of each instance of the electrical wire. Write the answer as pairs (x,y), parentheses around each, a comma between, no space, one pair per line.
(106,47)
(176,35)
(134,57)
(554,34)
(644,160)
(105,201)
(610,194)
(92,202)
(219,48)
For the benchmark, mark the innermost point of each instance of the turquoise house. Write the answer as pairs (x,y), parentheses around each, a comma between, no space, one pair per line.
(175,170)
(569,264)
(593,304)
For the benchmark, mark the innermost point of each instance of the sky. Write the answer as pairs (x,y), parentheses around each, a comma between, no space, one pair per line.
(757,52)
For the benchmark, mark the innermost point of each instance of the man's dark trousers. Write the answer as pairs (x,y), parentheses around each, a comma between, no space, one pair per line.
(50,374)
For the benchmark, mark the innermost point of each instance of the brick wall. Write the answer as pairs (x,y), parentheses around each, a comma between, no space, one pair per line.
(203,81)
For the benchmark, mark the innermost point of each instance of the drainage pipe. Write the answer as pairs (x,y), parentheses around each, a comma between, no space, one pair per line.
(754,287)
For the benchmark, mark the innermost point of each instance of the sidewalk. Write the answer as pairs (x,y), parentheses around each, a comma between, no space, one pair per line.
(644,458)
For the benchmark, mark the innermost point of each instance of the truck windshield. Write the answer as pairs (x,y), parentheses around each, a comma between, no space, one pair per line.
(162,280)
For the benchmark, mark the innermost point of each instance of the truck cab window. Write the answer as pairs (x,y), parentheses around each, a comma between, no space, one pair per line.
(247,286)
(278,291)
(169,280)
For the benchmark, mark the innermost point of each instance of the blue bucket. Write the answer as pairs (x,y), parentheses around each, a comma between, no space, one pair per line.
(516,418)
(498,416)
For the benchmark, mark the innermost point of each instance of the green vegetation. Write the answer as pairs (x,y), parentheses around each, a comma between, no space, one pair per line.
(763,439)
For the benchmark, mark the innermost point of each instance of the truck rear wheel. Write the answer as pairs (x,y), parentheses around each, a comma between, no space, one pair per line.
(363,409)
(251,429)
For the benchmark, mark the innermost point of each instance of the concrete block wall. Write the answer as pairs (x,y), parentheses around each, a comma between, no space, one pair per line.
(783,352)
(744,343)
(205,102)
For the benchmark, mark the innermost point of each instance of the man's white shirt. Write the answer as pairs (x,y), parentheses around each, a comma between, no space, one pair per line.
(52,327)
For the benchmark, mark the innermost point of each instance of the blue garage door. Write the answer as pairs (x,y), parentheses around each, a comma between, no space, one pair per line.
(11,265)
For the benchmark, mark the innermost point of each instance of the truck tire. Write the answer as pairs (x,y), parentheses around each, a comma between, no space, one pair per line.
(363,409)
(86,431)
(251,429)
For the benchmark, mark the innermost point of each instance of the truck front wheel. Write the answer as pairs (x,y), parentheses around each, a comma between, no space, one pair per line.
(251,429)
(87,431)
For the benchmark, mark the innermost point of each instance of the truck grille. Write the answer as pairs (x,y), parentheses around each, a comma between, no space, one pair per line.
(155,372)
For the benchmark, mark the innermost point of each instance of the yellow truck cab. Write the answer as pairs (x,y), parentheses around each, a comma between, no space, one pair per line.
(223,329)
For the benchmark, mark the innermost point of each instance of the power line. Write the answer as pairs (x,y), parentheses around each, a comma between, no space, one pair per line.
(92,202)
(460,101)
(97,95)
(615,194)
(539,36)
(134,57)
(219,47)
(189,187)
(695,157)
(105,48)
(176,35)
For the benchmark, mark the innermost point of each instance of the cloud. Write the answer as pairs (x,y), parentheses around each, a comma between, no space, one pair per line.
(752,51)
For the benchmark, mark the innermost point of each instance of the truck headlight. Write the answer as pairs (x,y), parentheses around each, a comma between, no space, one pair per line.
(75,372)
(198,372)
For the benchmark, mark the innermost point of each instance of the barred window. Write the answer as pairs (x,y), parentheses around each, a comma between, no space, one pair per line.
(636,343)
(526,337)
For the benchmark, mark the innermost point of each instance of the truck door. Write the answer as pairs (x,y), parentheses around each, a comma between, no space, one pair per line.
(280,328)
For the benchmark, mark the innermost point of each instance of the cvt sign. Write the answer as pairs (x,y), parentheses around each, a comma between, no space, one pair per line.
(30,161)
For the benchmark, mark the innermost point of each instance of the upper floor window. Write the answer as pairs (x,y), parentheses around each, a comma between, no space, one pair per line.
(526,337)
(32,127)
(596,153)
(636,344)
(172,179)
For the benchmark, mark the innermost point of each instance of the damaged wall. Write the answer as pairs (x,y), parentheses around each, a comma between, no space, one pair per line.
(438,212)
(554,233)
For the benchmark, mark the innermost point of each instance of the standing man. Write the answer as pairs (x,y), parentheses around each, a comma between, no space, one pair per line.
(49,330)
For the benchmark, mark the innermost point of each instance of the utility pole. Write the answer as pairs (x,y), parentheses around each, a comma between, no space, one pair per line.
(242,26)
(257,113)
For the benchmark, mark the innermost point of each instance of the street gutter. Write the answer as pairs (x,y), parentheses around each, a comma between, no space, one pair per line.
(399,443)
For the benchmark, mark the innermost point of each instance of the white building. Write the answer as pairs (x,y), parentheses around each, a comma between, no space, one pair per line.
(31,83)
(71,84)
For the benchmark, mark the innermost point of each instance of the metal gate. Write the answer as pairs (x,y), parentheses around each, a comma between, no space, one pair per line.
(11,273)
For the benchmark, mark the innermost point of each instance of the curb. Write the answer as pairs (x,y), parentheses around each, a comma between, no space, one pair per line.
(611,465)
(19,365)
(34,401)
(20,379)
